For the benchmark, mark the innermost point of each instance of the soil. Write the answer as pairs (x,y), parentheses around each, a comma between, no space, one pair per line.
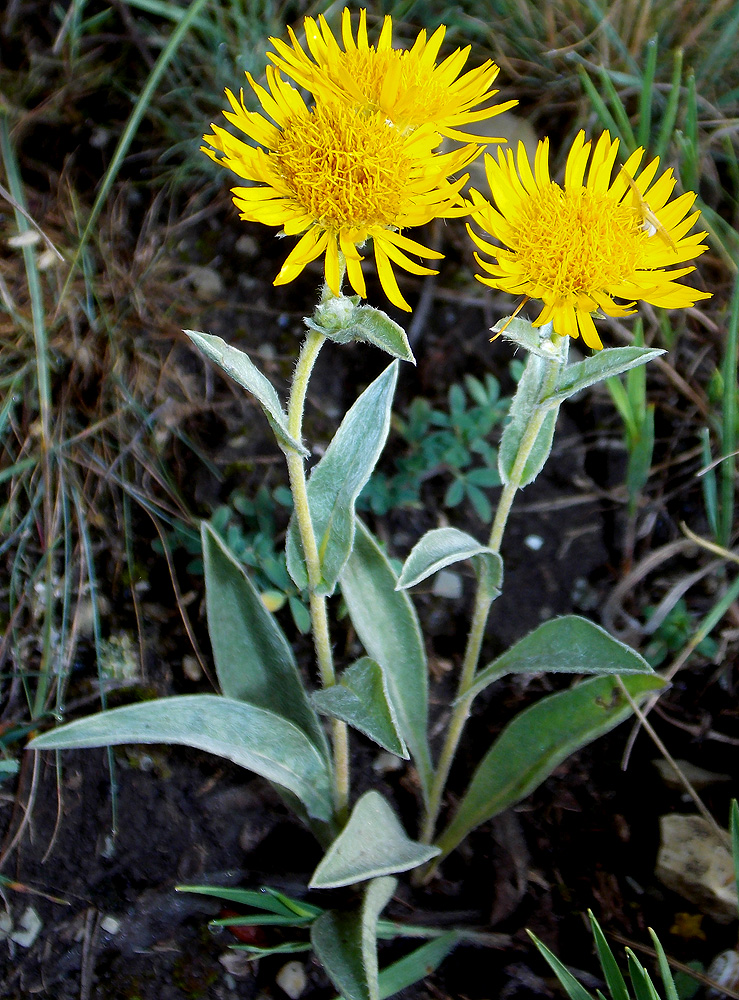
(110,836)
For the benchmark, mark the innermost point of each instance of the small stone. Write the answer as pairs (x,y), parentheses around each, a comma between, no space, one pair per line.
(191,668)
(111,925)
(28,928)
(206,281)
(693,862)
(237,964)
(724,970)
(386,762)
(292,979)
(448,585)
(247,245)
(534,542)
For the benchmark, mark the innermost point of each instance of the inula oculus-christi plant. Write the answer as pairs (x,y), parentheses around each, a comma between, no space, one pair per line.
(344,174)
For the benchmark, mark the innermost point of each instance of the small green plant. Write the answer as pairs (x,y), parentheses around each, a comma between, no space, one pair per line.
(673,634)
(248,527)
(453,443)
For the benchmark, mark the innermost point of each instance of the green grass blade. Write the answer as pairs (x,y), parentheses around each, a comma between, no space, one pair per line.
(643,986)
(664,969)
(670,116)
(131,128)
(645,94)
(570,985)
(619,111)
(599,106)
(727,473)
(734,823)
(614,978)
(708,483)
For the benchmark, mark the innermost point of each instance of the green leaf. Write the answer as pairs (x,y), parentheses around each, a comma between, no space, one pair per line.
(640,979)
(361,698)
(536,741)
(525,404)
(387,626)
(342,319)
(372,843)
(338,479)
(375,327)
(243,371)
(259,899)
(253,659)
(567,645)
(601,365)
(420,963)
(442,547)
(250,736)
(608,963)
(346,943)
(534,339)
(734,825)
(664,968)
(570,985)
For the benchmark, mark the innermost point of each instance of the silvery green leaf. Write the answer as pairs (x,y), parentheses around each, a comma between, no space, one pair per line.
(346,943)
(337,480)
(250,736)
(537,741)
(342,319)
(526,402)
(388,628)
(372,843)
(244,372)
(601,365)
(566,645)
(361,699)
(534,339)
(254,660)
(442,547)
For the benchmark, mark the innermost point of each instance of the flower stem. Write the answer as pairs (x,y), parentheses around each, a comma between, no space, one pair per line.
(319,618)
(483,600)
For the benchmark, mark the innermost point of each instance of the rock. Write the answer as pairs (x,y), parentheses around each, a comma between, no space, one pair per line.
(693,862)
(292,979)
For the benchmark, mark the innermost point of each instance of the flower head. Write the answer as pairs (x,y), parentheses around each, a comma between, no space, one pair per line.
(405,86)
(579,246)
(338,175)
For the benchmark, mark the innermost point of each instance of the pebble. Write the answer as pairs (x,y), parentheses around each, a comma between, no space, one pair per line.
(292,979)
(448,585)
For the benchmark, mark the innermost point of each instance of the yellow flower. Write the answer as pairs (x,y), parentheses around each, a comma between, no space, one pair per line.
(339,176)
(579,246)
(406,86)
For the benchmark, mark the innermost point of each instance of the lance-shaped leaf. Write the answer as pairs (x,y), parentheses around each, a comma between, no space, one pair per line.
(386,623)
(536,741)
(243,371)
(342,319)
(601,365)
(443,546)
(567,645)
(338,479)
(361,699)
(250,736)
(372,843)
(420,963)
(346,943)
(253,659)
(525,403)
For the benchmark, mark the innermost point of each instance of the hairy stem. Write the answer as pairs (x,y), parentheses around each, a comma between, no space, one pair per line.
(483,600)
(319,618)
